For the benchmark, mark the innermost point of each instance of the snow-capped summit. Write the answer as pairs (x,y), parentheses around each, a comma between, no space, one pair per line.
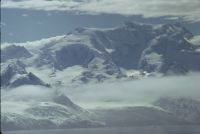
(14,74)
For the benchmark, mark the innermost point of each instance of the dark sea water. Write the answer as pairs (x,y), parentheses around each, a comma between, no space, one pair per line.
(124,130)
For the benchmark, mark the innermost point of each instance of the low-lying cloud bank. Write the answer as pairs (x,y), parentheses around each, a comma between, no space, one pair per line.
(27,93)
(139,92)
(189,9)
(124,93)
(18,99)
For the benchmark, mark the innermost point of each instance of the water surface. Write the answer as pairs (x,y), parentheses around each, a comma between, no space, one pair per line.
(119,130)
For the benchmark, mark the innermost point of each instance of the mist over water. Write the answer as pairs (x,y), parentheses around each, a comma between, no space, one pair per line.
(124,130)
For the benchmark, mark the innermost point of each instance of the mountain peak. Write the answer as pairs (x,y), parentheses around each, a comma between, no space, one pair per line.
(14,52)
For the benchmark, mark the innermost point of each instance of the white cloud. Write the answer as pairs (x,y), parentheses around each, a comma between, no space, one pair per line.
(124,93)
(196,40)
(189,9)
(138,92)
(18,99)
(35,44)
(59,5)
(27,93)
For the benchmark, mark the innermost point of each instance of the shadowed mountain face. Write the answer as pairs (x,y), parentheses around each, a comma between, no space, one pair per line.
(14,52)
(76,54)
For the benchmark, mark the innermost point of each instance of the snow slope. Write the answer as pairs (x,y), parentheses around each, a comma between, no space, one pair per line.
(54,110)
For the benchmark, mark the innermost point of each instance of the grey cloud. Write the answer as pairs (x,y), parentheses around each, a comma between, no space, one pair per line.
(189,9)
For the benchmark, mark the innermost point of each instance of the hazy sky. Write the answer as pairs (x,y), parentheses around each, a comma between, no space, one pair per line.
(28,20)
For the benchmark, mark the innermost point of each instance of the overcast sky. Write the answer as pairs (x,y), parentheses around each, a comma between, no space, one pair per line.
(27,20)
(148,8)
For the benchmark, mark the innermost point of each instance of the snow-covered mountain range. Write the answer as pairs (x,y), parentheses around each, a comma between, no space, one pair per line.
(91,55)
(96,55)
